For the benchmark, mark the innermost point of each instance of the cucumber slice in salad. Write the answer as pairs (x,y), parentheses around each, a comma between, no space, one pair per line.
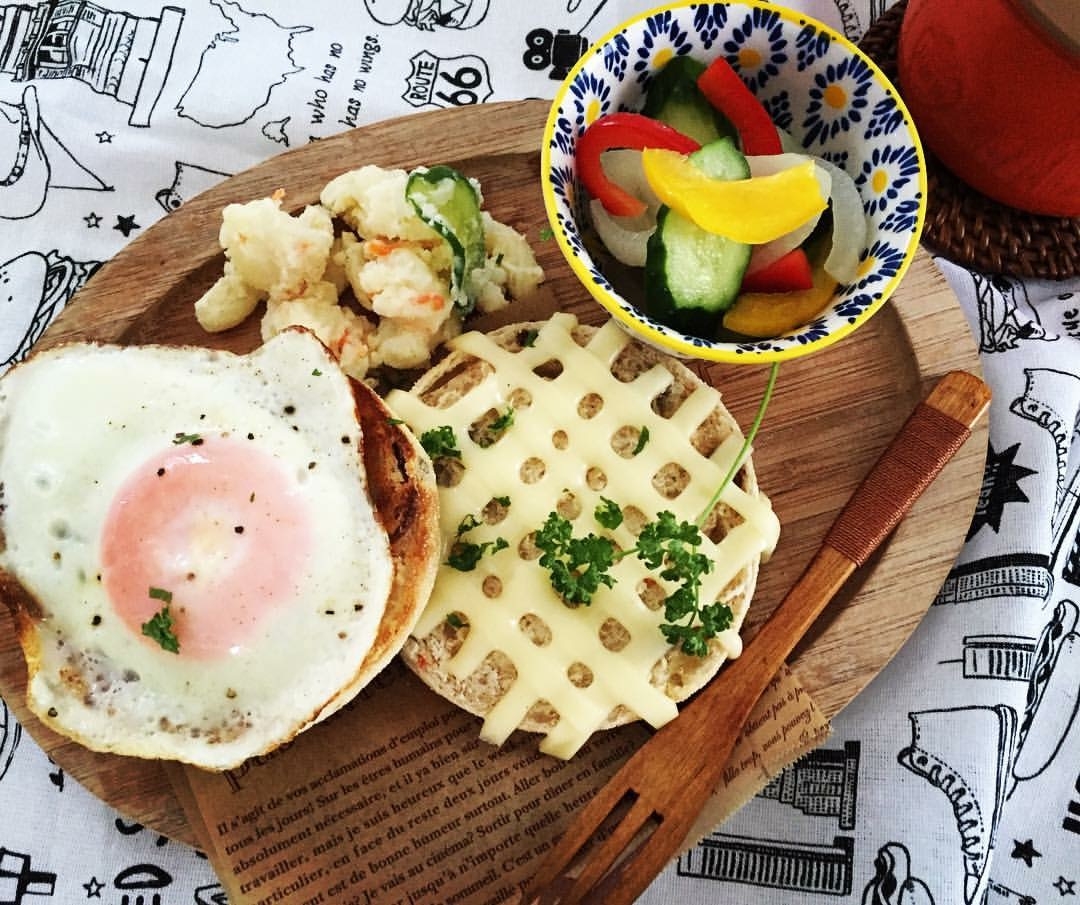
(448,202)
(693,276)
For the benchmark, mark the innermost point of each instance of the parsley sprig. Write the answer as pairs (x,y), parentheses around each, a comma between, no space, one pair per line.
(159,627)
(465,555)
(579,566)
(441,442)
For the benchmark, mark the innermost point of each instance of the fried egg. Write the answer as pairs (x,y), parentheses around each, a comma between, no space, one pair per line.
(189,544)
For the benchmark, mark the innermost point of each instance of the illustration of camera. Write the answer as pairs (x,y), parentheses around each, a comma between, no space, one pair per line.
(560,51)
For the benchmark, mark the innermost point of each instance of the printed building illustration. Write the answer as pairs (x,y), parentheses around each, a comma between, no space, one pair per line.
(780,865)
(115,53)
(822,784)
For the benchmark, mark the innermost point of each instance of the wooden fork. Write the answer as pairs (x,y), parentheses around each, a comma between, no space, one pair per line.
(638,820)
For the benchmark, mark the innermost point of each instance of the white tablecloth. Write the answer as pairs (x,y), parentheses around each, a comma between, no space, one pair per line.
(947,781)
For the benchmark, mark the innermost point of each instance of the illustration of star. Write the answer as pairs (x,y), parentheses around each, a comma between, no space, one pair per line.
(93,888)
(1025,851)
(1065,887)
(105,138)
(93,221)
(1001,485)
(127,225)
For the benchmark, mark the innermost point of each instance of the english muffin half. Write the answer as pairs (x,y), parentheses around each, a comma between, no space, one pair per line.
(559,417)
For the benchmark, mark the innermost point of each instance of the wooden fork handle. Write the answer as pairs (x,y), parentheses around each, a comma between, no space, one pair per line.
(931,436)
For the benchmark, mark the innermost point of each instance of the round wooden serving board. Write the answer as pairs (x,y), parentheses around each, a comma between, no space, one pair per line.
(832,414)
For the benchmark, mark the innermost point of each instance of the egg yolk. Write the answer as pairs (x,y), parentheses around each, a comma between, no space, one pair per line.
(215,527)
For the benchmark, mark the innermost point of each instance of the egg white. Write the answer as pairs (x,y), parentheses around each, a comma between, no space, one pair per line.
(74,423)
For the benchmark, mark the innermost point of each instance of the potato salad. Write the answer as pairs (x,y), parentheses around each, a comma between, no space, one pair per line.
(383,269)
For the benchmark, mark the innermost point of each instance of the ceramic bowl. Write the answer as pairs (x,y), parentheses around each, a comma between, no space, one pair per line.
(818,86)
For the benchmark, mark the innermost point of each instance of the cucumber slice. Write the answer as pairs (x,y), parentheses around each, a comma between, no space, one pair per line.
(693,276)
(448,202)
(674,98)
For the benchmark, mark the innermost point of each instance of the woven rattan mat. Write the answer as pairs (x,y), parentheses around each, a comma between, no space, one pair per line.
(964,225)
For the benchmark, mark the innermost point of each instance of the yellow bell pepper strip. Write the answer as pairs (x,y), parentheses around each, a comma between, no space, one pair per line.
(622,130)
(764,315)
(754,210)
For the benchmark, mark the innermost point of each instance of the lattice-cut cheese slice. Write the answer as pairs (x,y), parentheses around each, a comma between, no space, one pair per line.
(497,640)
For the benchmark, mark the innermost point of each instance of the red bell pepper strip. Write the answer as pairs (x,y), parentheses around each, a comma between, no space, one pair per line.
(622,130)
(726,91)
(789,273)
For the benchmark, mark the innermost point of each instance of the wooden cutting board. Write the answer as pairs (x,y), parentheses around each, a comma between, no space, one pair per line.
(832,414)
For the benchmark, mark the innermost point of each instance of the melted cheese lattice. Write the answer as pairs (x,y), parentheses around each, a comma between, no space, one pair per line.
(560,448)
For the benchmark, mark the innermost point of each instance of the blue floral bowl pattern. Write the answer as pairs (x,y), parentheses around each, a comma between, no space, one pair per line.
(816,85)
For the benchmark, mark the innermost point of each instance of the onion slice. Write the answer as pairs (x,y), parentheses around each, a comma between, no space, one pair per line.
(849,218)
(626,237)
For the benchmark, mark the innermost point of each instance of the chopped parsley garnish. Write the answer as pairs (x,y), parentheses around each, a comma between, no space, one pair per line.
(643,438)
(578,566)
(160,594)
(503,501)
(609,514)
(498,426)
(181,438)
(394,422)
(467,524)
(316,373)
(455,621)
(465,555)
(528,337)
(440,443)
(547,233)
(160,626)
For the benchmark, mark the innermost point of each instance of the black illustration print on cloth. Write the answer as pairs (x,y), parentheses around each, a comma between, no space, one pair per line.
(436,81)
(1051,399)
(427,15)
(113,52)
(1018,574)
(40,161)
(10,735)
(1000,486)
(557,51)
(939,744)
(1070,318)
(801,867)
(56,776)
(189,181)
(211,894)
(20,882)
(1006,315)
(1006,657)
(141,884)
(1055,679)
(54,278)
(893,883)
(997,894)
(250,42)
(822,783)
(126,828)
(275,130)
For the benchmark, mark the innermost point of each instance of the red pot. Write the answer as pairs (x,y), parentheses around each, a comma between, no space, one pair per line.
(994,89)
